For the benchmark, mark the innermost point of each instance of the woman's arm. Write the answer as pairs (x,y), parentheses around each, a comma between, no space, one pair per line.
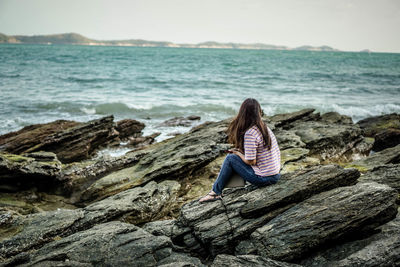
(248,162)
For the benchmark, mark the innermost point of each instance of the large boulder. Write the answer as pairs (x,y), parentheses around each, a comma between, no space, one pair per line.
(218,226)
(386,138)
(137,205)
(325,218)
(379,249)
(108,244)
(173,158)
(38,170)
(377,124)
(33,135)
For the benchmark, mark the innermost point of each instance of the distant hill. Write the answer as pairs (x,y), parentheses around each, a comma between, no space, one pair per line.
(77,39)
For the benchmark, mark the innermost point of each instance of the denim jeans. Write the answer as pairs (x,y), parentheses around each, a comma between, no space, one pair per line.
(233,163)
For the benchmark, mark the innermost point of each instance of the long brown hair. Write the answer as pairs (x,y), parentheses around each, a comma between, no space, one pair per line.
(249,115)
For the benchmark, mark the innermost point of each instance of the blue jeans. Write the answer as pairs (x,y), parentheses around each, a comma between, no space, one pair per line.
(233,163)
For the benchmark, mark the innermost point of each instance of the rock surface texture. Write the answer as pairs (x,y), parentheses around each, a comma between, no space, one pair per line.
(336,203)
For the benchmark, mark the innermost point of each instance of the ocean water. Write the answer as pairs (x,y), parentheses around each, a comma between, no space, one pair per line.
(42,83)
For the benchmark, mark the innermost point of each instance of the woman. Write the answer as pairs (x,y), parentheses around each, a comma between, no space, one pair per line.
(256,156)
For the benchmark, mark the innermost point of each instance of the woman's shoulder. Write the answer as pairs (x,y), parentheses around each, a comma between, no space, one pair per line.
(253,130)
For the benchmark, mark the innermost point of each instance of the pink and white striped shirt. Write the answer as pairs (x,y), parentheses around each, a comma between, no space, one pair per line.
(268,162)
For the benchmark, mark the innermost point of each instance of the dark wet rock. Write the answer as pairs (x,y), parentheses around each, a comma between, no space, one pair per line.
(388,174)
(79,142)
(248,260)
(376,124)
(142,141)
(326,217)
(129,128)
(108,244)
(30,136)
(137,205)
(218,226)
(19,172)
(379,249)
(170,159)
(386,138)
(286,118)
(180,121)
(387,156)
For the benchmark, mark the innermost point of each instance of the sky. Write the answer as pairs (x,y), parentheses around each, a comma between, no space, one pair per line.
(349,25)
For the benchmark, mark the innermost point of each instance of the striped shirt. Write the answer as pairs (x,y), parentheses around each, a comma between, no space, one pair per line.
(268,162)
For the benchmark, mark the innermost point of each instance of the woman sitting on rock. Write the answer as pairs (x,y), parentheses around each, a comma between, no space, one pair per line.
(259,164)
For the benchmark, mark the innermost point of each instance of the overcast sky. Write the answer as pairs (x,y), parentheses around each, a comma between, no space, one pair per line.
(350,25)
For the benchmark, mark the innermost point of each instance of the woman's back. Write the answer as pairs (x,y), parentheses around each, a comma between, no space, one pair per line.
(268,161)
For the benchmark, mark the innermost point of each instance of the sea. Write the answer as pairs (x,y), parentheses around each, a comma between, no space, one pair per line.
(43,83)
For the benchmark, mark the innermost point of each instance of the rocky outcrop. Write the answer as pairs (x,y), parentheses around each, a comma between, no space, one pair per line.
(387,156)
(379,249)
(374,125)
(180,121)
(169,159)
(33,135)
(324,218)
(71,141)
(129,128)
(33,170)
(108,244)
(137,205)
(388,174)
(386,138)
(248,260)
(216,227)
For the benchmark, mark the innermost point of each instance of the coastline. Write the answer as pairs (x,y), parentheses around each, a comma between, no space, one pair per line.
(152,191)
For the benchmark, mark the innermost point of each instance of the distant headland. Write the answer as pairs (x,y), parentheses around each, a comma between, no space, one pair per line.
(77,39)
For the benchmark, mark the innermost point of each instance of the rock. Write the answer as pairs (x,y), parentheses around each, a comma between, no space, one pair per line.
(170,159)
(387,156)
(142,141)
(21,172)
(388,174)
(129,128)
(180,260)
(180,121)
(326,217)
(376,124)
(293,154)
(334,117)
(77,176)
(30,136)
(386,138)
(108,244)
(137,205)
(158,228)
(79,142)
(328,141)
(286,118)
(379,249)
(218,226)
(248,260)
(288,139)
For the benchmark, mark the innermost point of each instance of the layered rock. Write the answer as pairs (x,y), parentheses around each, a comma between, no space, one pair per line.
(137,205)
(377,124)
(33,170)
(71,141)
(169,159)
(324,218)
(379,249)
(108,244)
(180,121)
(216,227)
(248,260)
